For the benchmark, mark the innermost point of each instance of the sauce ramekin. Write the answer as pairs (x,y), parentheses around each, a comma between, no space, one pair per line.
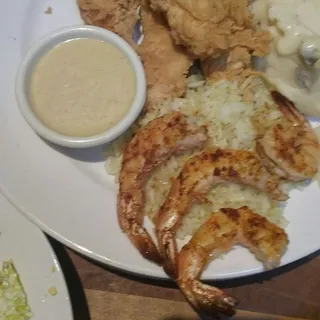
(44,45)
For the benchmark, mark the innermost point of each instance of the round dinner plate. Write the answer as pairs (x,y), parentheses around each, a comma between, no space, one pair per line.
(37,266)
(68,194)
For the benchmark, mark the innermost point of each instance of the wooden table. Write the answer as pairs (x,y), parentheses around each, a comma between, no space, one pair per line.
(99,293)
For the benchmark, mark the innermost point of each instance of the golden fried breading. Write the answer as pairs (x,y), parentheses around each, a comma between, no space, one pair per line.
(208,27)
(119,16)
(166,64)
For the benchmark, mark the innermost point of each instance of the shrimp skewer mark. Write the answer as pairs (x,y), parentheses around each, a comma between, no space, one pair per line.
(163,137)
(198,175)
(290,148)
(224,229)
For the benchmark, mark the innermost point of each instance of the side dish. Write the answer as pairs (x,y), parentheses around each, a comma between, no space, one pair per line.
(82,87)
(293,63)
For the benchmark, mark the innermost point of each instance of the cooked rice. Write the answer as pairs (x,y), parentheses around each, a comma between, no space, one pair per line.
(232,122)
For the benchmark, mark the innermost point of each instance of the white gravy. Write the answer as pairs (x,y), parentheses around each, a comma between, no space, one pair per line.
(293,64)
(82,87)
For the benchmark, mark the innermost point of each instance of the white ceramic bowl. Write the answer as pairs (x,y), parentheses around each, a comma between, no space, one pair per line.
(47,43)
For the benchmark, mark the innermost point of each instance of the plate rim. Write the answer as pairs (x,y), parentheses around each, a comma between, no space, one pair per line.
(137,271)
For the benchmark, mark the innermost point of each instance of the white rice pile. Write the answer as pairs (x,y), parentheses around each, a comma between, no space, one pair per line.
(232,122)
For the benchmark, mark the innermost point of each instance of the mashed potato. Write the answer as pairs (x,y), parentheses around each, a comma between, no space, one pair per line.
(294,61)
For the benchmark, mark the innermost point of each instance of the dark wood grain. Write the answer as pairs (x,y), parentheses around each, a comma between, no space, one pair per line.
(98,293)
(293,290)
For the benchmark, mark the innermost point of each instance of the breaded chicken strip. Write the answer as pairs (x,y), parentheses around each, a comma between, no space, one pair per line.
(208,27)
(166,64)
(118,16)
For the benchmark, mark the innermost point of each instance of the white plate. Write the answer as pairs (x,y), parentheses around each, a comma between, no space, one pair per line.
(69,195)
(35,262)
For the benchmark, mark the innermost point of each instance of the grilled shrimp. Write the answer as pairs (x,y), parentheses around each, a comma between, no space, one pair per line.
(153,144)
(195,179)
(290,148)
(224,229)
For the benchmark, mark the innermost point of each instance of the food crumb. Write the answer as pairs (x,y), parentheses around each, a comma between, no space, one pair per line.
(53,269)
(52,291)
(48,11)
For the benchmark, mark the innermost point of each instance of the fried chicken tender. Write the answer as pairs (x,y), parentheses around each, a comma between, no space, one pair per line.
(166,64)
(118,16)
(208,27)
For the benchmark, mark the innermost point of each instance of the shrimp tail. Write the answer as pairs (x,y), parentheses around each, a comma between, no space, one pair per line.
(209,300)
(204,298)
(169,245)
(143,242)
(212,301)
(287,107)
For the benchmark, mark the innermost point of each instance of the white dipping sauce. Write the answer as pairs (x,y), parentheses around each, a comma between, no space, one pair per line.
(293,64)
(82,87)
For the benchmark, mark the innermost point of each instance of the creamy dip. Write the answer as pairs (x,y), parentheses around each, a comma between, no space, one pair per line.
(293,64)
(82,87)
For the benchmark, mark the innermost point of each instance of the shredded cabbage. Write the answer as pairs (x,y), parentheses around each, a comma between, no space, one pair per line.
(13,299)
